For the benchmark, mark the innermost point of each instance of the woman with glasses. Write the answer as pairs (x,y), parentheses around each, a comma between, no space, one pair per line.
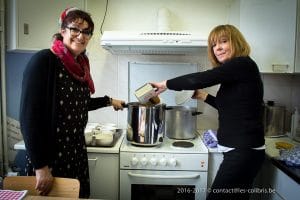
(55,100)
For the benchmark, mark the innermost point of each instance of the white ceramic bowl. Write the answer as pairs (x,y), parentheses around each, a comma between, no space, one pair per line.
(88,137)
(109,125)
(104,139)
(91,125)
(108,130)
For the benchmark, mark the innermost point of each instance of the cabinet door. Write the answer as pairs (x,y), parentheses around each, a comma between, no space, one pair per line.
(278,184)
(270,28)
(1,15)
(32,23)
(276,196)
(297,60)
(214,161)
(104,175)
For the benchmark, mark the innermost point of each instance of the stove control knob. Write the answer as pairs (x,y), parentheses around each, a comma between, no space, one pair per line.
(153,161)
(173,162)
(134,161)
(144,161)
(163,162)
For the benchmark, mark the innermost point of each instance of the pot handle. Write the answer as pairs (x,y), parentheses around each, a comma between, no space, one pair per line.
(196,113)
(168,108)
(125,105)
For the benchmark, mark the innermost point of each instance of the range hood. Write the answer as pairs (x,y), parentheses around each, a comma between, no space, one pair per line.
(153,43)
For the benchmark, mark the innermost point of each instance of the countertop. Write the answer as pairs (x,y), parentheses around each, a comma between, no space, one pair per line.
(115,149)
(272,153)
(271,150)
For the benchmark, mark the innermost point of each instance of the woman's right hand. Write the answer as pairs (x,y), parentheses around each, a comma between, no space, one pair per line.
(44,180)
(117,104)
(160,86)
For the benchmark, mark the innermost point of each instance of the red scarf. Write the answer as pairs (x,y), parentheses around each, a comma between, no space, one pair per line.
(80,70)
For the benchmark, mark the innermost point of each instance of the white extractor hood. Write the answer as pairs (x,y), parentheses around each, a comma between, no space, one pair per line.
(170,42)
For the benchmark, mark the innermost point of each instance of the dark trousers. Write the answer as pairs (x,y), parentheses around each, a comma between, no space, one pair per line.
(236,174)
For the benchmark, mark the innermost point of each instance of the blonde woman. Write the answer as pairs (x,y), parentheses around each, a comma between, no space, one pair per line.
(239,104)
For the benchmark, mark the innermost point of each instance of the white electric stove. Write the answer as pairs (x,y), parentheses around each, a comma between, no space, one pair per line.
(174,169)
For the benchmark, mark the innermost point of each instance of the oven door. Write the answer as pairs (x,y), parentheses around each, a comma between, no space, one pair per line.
(166,185)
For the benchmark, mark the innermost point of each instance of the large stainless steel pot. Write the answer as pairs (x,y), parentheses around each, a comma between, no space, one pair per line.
(145,124)
(181,122)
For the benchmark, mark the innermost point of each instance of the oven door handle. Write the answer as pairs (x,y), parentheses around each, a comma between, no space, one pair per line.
(192,176)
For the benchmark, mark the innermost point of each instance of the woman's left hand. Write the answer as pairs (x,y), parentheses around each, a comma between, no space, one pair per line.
(200,94)
(44,180)
(117,104)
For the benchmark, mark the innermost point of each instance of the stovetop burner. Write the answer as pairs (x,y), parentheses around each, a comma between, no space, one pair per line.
(167,146)
(184,144)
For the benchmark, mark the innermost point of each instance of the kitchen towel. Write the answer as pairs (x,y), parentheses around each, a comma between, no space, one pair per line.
(291,157)
(12,195)
(210,139)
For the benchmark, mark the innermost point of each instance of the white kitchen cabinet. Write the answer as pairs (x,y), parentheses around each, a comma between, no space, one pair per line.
(104,175)
(1,15)
(297,60)
(32,23)
(270,27)
(277,184)
(214,161)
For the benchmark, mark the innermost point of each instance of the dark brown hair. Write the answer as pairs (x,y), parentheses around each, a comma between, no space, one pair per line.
(71,17)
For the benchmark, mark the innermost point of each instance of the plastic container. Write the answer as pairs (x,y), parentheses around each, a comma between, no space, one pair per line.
(274,119)
(295,126)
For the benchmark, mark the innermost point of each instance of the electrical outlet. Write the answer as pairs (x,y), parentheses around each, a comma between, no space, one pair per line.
(26,29)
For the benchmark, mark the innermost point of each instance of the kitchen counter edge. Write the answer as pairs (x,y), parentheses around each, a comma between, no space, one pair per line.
(115,149)
(272,153)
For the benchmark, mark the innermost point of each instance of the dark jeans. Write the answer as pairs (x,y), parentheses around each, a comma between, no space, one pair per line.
(236,174)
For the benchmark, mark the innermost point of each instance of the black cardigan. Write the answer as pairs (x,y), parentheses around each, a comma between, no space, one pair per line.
(239,100)
(37,108)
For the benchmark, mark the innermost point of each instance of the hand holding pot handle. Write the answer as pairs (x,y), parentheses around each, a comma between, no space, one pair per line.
(117,104)
(125,105)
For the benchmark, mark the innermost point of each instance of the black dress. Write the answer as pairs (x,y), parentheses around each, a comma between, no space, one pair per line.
(70,157)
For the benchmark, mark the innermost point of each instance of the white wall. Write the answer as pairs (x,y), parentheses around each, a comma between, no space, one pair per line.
(110,72)
(186,15)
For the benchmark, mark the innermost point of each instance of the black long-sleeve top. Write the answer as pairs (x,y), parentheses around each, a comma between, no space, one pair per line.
(239,100)
(37,109)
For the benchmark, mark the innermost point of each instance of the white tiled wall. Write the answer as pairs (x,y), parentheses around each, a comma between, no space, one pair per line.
(284,89)
(110,72)
(295,96)
(115,80)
